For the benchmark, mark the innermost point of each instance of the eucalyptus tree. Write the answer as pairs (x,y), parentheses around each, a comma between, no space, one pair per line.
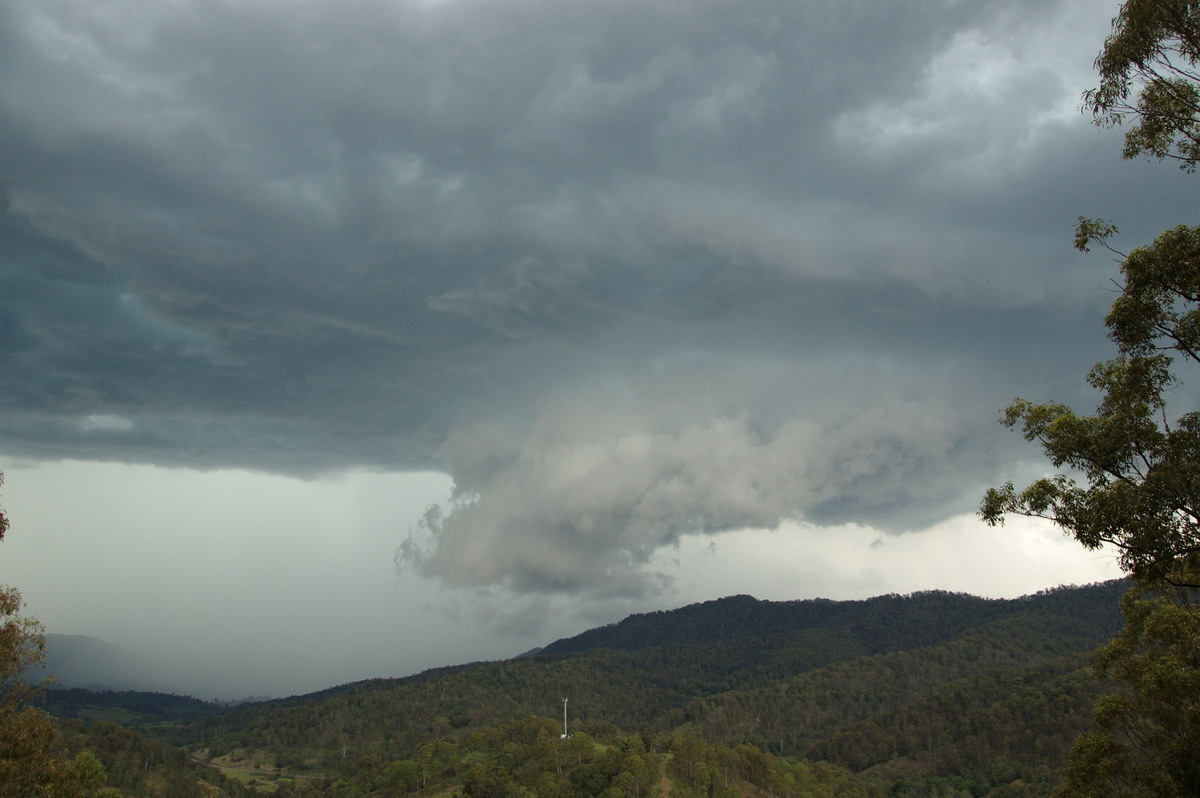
(1149,73)
(1129,473)
(1133,465)
(1133,478)
(30,762)
(1146,738)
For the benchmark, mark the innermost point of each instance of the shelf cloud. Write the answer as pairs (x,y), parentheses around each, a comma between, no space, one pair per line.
(626,272)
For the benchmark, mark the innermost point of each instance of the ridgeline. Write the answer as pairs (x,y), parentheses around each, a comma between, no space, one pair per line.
(930,693)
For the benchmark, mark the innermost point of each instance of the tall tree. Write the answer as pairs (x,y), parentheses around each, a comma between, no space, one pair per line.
(1149,71)
(30,762)
(1137,456)
(1134,465)
(1135,462)
(1147,738)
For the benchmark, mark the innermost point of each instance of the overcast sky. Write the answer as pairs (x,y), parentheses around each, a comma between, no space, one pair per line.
(342,340)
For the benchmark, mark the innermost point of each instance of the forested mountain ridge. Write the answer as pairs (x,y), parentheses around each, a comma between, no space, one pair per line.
(796,714)
(126,707)
(883,623)
(934,688)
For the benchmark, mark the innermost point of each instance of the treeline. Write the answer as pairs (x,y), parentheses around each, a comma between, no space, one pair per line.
(883,623)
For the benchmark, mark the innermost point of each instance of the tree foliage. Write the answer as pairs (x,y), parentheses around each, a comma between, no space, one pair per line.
(1148,735)
(1135,484)
(1148,71)
(3,517)
(27,735)
(111,761)
(31,762)
(1132,469)
(1133,466)
(21,646)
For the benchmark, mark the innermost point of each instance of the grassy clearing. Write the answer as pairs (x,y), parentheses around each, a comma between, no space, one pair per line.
(253,778)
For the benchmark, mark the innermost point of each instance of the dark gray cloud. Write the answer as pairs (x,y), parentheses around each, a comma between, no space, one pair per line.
(627,272)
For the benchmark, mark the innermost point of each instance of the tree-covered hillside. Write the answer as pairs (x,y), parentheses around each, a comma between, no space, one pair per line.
(924,693)
(884,623)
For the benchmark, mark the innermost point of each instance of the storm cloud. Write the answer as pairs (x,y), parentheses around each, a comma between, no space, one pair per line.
(626,272)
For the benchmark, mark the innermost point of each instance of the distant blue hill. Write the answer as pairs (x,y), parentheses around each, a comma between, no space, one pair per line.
(82,661)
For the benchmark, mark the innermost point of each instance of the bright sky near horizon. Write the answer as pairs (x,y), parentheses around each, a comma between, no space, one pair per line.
(347,340)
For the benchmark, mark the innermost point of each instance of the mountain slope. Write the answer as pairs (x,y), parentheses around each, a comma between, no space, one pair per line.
(754,677)
(883,623)
(929,694)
